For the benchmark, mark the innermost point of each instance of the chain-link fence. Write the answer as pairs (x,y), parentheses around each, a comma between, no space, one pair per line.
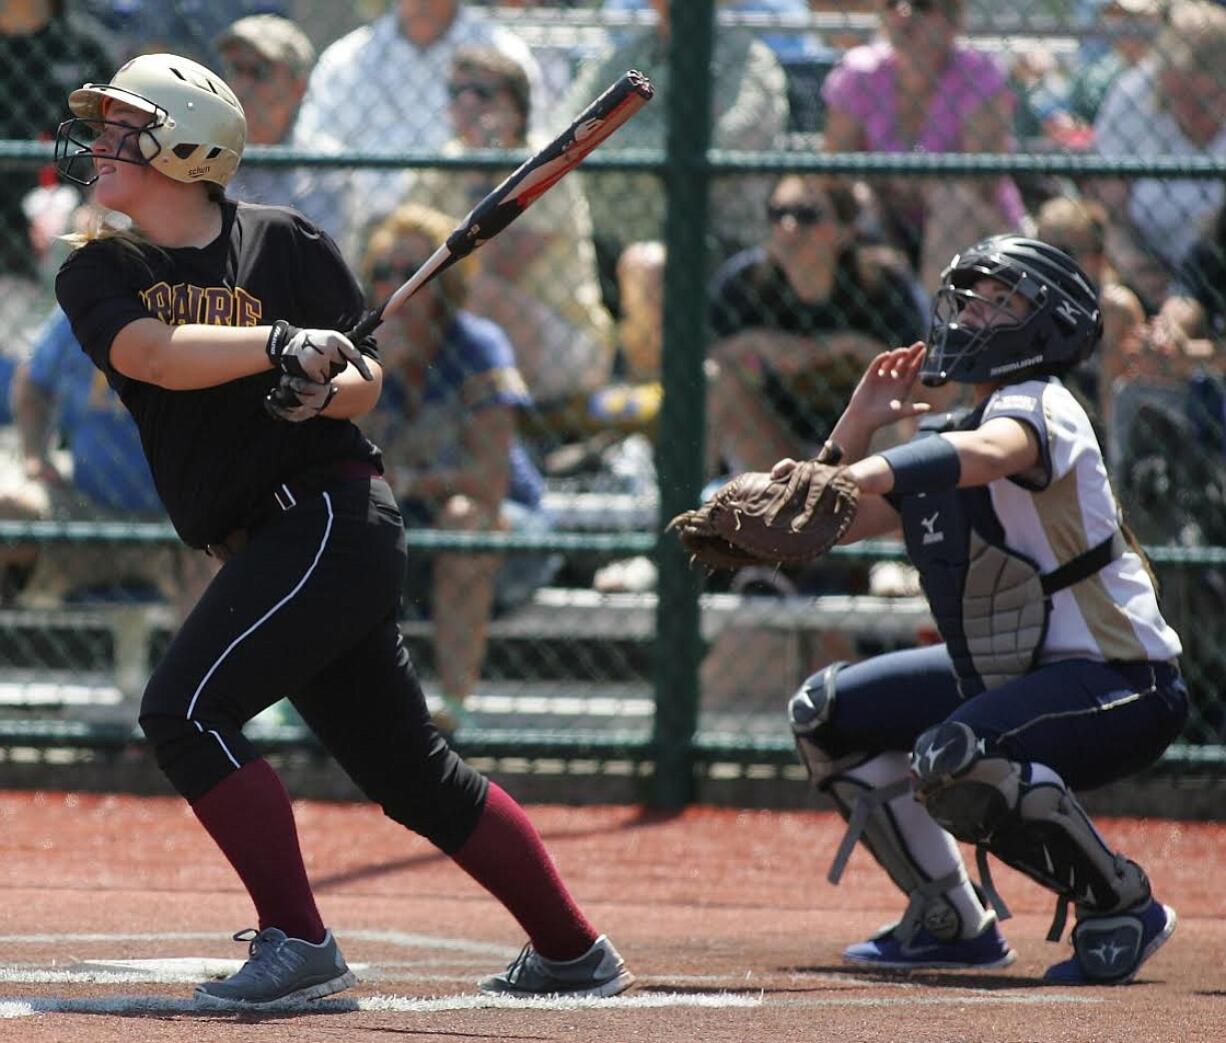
(700,300)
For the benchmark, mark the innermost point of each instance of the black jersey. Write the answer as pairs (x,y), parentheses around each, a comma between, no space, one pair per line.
(215,453)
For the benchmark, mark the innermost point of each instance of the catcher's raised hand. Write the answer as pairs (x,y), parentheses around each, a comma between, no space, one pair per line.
(758,519)
(883,395)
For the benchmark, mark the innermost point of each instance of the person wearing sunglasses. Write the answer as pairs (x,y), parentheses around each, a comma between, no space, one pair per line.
(795,319)
(749,112)
(446,422)
(918,90)
(1172,104)
(383,87)
(536,279)
(268,59)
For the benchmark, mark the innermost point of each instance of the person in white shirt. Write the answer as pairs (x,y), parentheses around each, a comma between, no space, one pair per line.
(268,59)
(1171,105)
(383,88)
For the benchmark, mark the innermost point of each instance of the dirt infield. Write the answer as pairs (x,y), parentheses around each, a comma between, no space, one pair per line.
(110,907)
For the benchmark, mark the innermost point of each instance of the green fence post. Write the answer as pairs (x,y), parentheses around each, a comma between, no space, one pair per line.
(678,650)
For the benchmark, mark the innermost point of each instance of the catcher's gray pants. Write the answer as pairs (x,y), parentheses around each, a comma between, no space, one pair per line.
(308,610)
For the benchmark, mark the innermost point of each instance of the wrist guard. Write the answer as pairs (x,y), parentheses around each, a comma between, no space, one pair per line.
(282,333)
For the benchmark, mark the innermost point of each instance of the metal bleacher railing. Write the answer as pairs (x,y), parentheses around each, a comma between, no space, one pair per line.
(654,708)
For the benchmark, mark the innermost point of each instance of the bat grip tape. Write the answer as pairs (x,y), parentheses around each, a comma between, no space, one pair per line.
(366,325)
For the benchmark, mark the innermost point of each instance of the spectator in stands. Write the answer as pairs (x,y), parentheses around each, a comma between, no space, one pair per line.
(1041,120)
(611,430)
(845,37)
(1168,448)
(267,59)
(1176,368)
(186,27)
(555,45)
(640,330)
(59,394)
(1172,104)
(788,46)
(536,279)
(1131,26)
(804,57)
(446,422)
(796,320)
(383,87)
(749,110)
(919,90)
(1193,314)
(43,54)
(1079,228)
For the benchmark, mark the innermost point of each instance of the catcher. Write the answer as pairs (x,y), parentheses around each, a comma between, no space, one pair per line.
(1057,671)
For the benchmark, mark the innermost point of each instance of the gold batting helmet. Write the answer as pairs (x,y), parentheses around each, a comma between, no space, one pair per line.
(196,129)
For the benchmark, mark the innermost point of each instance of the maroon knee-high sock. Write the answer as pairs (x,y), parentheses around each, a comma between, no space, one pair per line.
(248,815)
(507,857)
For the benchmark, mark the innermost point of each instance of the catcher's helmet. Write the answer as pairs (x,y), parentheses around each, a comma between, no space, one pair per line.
(196,128)
(1061,329)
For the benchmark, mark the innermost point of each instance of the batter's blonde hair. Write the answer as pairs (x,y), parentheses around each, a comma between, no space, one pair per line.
(102,225)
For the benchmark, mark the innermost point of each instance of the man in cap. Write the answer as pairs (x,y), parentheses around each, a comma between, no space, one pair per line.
(267,60)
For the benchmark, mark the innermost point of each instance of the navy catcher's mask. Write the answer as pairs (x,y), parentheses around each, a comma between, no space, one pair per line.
(1060,331)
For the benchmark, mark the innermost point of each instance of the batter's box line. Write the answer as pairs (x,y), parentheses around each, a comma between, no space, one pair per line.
(19,1007)
(1012,999)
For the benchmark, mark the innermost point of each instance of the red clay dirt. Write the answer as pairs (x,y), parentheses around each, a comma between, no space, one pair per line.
(725,908)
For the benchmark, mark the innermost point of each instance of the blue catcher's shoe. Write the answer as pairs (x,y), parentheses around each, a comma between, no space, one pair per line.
(1109,950)
(892,952)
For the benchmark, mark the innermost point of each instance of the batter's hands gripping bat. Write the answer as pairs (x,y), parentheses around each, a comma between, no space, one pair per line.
(534,177)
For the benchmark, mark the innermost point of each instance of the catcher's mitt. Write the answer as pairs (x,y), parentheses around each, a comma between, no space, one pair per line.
(754,520)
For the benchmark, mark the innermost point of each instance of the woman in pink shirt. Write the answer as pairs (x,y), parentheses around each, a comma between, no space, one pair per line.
(917,90)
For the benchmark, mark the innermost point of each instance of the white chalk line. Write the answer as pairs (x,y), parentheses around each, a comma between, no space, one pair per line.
(189,970)
(30,1006)
(18,1007)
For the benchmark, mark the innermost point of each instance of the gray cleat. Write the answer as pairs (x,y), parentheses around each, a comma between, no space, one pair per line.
(278,970)
(598,972)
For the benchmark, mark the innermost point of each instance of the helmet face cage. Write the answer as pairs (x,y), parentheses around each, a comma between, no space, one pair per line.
(1060,330)
(76,145)
(195,131)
